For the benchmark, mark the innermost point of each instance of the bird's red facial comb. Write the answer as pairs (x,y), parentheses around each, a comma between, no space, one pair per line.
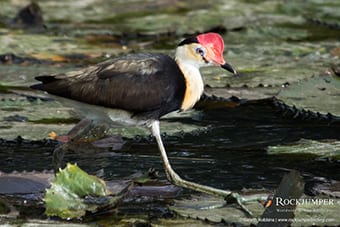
(215,43)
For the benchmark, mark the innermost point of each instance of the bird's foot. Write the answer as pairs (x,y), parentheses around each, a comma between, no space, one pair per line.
(239,200)
(229,196)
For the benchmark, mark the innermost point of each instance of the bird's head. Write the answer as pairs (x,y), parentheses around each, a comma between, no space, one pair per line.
(203,50)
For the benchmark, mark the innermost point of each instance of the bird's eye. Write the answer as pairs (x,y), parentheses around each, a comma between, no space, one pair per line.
(200,51)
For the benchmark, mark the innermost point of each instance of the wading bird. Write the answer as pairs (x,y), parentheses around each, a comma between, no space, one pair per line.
(138,89)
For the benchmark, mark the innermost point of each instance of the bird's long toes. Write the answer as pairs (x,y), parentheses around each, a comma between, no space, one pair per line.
(237,198)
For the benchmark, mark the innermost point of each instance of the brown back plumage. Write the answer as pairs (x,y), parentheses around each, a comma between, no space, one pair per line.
(145,84)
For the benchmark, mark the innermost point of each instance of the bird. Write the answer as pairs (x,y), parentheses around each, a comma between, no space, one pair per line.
(138,89)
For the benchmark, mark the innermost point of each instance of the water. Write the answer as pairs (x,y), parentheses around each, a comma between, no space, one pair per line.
(230,153)
(223,164)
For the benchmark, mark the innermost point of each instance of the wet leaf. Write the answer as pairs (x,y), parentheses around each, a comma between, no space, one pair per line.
(320,93)
(319,148)
(11,185)
(215,210)
(322,213)
(66,197)
(331,189)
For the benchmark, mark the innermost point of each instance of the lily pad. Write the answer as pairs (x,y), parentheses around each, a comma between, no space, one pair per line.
(320,93)
(215,210)
(329,149)
(322,213)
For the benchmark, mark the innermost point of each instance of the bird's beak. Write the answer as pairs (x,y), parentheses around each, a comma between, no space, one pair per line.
(217,58)
(228,67)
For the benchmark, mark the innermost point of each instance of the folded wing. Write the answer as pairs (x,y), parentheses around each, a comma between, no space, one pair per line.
(140,83)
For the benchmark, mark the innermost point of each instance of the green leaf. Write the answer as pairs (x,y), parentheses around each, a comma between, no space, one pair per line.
(66,196)
(79,182)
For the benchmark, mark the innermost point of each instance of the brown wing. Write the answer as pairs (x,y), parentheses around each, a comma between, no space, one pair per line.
(141,83)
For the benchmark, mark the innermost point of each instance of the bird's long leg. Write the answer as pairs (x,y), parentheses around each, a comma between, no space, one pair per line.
(177,180)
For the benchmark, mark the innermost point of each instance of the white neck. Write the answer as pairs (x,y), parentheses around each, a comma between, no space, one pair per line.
(193,80)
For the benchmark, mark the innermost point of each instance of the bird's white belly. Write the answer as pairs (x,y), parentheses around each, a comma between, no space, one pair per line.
(114,117)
